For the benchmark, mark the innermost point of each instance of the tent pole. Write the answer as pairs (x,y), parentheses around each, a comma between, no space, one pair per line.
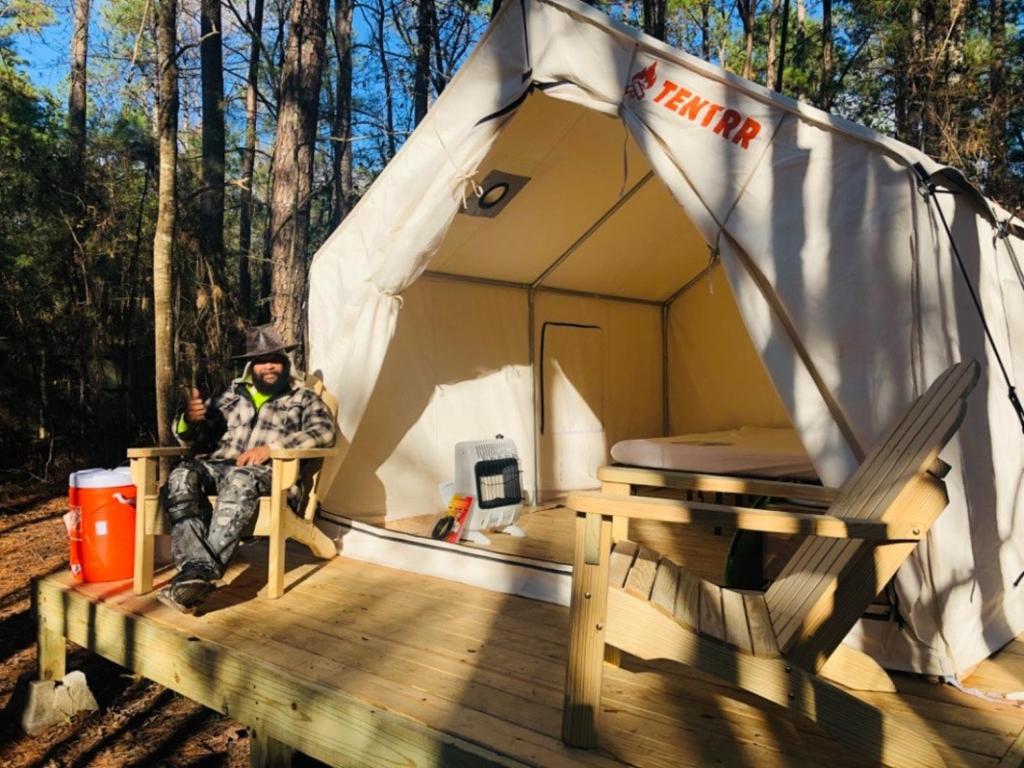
(540,288)
(593,228)
(532,346)
(692,282)
(666,309)
(664,369)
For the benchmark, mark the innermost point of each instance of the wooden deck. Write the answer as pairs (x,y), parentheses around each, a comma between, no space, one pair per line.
(366,666)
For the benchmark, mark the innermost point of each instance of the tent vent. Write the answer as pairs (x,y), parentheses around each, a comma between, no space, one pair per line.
(498,188)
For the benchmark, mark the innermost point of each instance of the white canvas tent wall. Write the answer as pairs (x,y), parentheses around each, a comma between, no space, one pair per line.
(835,302)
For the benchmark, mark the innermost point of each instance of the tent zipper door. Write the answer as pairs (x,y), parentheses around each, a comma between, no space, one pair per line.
(571,438)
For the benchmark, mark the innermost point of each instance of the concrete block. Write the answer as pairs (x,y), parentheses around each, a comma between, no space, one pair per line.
(51,703)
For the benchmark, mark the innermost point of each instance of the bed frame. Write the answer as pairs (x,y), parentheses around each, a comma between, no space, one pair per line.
(721,489)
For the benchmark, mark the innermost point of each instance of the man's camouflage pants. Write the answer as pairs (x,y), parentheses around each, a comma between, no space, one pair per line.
(202,538)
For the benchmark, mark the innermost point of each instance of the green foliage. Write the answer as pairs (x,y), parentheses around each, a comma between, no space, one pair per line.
(30,280)
(30,148)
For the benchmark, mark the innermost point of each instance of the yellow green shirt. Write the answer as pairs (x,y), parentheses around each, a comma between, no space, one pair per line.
(258,399)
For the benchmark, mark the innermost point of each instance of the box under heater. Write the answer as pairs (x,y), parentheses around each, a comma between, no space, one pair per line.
(488,470)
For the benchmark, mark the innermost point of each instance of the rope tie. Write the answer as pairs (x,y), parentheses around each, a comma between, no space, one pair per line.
(462,178)
(466,178)
(714,256)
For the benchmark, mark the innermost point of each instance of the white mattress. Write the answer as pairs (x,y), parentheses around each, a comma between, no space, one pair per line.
(751,451)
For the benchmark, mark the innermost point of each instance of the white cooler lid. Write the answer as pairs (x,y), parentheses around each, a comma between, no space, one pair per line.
(101,478)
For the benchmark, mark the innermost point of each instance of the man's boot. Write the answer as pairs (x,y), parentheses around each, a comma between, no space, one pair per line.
(188,588)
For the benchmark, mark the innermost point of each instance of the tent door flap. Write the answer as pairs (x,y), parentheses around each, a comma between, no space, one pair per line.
(570,418)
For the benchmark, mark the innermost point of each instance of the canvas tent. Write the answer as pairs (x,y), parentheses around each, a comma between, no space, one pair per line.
(684,251)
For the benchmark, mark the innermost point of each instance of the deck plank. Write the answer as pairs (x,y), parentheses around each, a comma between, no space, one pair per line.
(378,663)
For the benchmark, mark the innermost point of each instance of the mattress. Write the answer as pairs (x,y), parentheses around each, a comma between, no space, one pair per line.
(749,451)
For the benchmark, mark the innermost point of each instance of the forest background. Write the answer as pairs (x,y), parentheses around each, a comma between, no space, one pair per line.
(169,167)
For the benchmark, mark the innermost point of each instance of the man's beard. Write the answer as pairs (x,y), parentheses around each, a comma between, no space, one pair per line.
(267,388)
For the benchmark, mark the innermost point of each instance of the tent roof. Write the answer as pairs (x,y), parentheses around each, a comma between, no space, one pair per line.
(593,216)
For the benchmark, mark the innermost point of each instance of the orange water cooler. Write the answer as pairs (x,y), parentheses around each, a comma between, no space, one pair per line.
(101,524)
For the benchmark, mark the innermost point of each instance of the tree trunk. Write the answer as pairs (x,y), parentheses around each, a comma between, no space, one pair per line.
(901,78)
(163,240)
(997,99)
(130,399)
(825,87)
(955,113)
(341,152)
(440,70)
(915,106)
(293,165)
(77,96)
(389,114)
(770,79)
(44,398)
(748,12)
(263,313)
(705,30)
(654,18)
(424,45)
(76,265)
(249,165)
(800,45)
(211,199)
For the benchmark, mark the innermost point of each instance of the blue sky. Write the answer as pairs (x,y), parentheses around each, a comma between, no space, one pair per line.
(47,55)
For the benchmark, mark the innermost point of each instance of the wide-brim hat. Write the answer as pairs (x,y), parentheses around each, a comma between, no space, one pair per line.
(263,340)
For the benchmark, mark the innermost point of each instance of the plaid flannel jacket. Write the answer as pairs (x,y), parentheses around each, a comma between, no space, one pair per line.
(295,418)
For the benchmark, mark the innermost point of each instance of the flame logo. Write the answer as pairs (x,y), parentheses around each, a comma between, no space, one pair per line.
(641,81)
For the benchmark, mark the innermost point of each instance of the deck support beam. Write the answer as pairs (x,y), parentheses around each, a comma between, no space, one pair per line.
(267,752)
(51,653)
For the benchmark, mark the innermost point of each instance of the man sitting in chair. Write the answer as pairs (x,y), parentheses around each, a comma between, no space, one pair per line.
(266,407)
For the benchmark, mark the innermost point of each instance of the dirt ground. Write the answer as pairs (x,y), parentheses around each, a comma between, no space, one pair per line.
(138,723)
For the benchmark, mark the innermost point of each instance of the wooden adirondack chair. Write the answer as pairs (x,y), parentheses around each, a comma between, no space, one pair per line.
(781,644)
(275,518)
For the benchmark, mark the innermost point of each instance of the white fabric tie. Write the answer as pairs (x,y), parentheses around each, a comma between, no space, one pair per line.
(464,178)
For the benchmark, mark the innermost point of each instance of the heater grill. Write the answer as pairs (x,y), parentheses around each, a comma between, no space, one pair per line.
(498,483)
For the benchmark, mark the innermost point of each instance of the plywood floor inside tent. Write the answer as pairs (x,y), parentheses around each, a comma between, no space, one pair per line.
(702,550)
(486,669)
